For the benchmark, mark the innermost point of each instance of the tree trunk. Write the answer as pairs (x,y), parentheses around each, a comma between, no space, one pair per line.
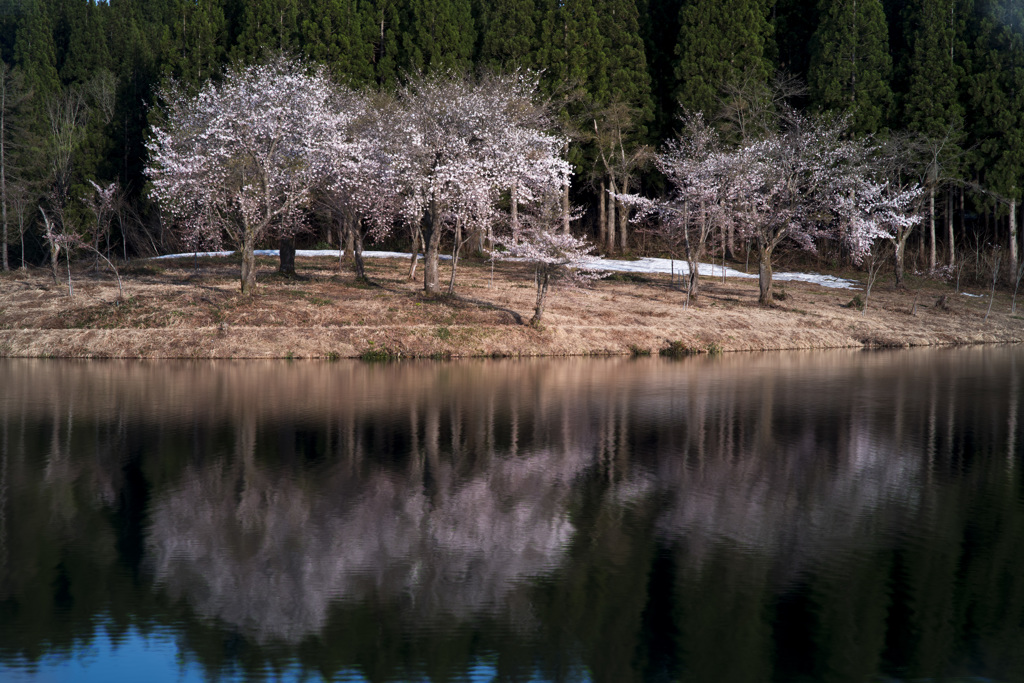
(248,261)
(764,274)
(897,266)
(350,235)
(432,238)
(456,247)
(358,266)
(1013,238)
(949,226)
(623,211)
(611,217)
(542,280)
(931,229)
(565,208)
(417,239)
(286,249)
(602,213)
(513,201)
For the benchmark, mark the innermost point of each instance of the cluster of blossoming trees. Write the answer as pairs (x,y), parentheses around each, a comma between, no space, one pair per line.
(245,157)
(806,180)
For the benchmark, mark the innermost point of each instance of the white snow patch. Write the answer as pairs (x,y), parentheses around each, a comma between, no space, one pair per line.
(976,296)
(644,265)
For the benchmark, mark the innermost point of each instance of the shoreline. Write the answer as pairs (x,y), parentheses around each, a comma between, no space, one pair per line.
(173,311)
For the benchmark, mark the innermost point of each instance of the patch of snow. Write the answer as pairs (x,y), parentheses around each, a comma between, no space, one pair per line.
(976,296)
(644,265)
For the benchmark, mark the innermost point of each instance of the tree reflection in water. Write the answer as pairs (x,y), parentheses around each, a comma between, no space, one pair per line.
(835,516)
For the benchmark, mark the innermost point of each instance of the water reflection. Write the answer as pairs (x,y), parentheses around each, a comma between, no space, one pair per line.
(837,516)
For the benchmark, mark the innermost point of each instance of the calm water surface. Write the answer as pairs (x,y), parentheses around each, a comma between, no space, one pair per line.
(787,517)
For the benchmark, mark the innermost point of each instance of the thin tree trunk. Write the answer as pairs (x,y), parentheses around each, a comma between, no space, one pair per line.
(611,217)
(357,252)
(514,207)
(1013,237)
(623,219)
(764,274)
(565,208)
(542,280)
(350,236)
(432,238)
(602,212)
(949,226)
(71,288)
(456,247)
(417,239)
(931,229)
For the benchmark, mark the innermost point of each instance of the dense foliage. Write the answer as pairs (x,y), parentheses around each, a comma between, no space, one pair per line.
(80,96)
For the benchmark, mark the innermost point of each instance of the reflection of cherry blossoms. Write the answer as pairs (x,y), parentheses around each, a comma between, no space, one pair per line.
(270,555)
(788,489)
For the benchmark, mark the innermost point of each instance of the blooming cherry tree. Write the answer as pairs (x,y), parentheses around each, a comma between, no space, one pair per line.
(807,181)
(239,159)
(555,255)
(698,171)
(465,141)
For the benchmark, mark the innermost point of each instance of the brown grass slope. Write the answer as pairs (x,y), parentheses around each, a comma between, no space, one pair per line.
(174,309)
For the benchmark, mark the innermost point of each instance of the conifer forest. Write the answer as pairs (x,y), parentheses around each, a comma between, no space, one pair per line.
(642,126)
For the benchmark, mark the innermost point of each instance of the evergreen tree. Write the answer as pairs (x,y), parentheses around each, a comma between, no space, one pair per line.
(571,51)
(850,64)
(87,45)
(997,104)
(932,104)
(628,79)
(267,25)
(509,34)
(386,38)
(659,27)
(439,34)
(35,52)
(195,40)
(339,34)
(720,43)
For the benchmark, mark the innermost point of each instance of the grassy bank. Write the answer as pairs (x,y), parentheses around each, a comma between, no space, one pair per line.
(186,309)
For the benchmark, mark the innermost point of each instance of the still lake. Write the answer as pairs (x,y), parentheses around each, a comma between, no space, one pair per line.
(827,516)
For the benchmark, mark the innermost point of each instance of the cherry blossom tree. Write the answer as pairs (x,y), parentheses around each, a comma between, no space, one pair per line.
(555,256)
(239,159)
(697,169)
(362,185)
(806,181)
(465,141)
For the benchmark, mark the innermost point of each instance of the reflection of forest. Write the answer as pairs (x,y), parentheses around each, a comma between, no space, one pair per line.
(834,516)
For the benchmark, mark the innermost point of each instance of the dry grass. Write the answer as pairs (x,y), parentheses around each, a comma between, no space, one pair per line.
(174,310)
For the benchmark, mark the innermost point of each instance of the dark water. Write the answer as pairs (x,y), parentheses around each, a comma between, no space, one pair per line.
(786,517)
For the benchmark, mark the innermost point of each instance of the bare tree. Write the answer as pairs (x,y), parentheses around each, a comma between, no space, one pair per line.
(621,158)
